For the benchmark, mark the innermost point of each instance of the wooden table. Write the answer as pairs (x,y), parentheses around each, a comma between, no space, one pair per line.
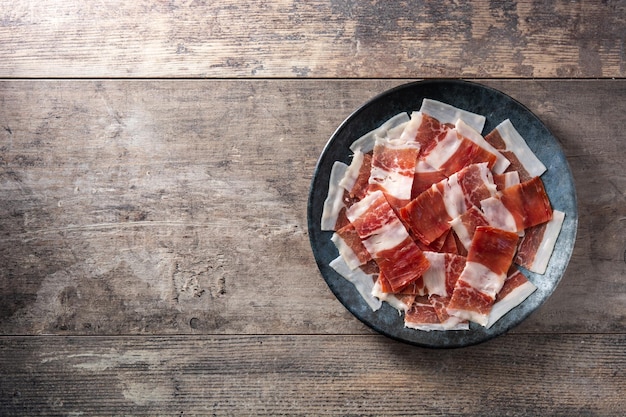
(155,160)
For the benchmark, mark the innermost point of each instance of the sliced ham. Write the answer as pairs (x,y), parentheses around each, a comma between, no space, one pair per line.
(447,114)
(536,248)
(423,316)
(488,260)
(515,290)
(393,169)
(366,142)
(519,207)
(507,140)
(363,282)
(386,239)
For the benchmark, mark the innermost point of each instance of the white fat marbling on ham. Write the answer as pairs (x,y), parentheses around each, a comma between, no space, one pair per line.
(334,201)
(481,278)
(470,133)
(411,128)
(387,237)
(364,283)
(511,178)
(389,298)
(516,288)
(446,113)
(435,276)
(366,142)
(535,256)
(346,253)
(453,197)
(498,215)
(444,150)
(352,172)
(517,144)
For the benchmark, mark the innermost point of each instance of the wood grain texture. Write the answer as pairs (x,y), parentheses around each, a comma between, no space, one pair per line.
(295,38)
(179,207)
(554,375)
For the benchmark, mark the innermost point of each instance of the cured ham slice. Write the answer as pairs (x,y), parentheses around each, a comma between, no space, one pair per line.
(519,207)
(476,182)
(507,140)
(488,260)
(423,316)
(515,290)
(465,225)
(363,282)
(427,216)
(350,247)
(506,180)
(455,152)
(356,178)
(387,240)
(393,169)
(400,302)
(446,113)
(536,248)
(466,131)
(366,142)
(425,176)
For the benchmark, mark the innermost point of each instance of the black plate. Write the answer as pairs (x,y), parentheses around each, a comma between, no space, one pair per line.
(496,107)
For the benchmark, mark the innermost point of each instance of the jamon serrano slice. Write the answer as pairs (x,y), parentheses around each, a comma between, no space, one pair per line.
(536,247)
(488,260)
(509,142)
(350,247)
(519,207)
(447,114)
(387,240)
(423,316)
(366,142)
(356,178)
(425,176)
(363,282)
(393,169)
(427,216)
(516,289)
(455,152)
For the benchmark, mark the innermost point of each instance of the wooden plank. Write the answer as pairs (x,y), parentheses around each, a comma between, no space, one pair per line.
(311,375)
(179,207)
(295,38)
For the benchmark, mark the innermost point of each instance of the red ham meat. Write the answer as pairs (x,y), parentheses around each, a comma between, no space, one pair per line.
(516,289)
(386,239)
(519,207)
(488,260)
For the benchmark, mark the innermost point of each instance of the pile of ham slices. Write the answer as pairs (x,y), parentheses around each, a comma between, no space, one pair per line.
(432,218)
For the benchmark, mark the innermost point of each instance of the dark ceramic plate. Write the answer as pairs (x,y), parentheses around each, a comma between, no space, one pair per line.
(496,107)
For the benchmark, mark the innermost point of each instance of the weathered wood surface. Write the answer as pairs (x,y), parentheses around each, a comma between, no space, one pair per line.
(517,375)
(143,207)
(296,38)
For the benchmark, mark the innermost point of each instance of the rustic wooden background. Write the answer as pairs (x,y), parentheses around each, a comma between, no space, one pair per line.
(155,159)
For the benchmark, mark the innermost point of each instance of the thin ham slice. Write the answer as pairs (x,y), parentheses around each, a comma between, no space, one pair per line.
(447,114)
(535,249)
(515,290)
(488,260)
(509,142)
(519,207)
(356,178)
(423,316)
(366,142)
(386,239)
(393,169)
(363,282)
